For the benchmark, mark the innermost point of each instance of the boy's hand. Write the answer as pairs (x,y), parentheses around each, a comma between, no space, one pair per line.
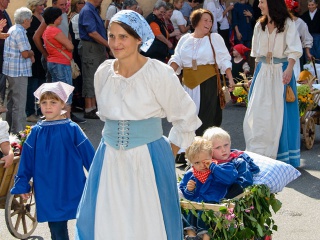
(191,185)
(207,163)
(25,196)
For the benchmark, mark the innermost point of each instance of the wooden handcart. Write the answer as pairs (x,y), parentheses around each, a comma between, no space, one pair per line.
(309,120)
(20,215)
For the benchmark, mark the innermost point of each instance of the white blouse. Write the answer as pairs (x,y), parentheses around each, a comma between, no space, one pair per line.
(177,19)
(305,36)
(153,91)
(189,48)
(4,131)
(286,44)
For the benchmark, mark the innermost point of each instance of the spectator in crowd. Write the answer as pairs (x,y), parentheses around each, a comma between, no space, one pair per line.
(174,35)
(114,7)
(141,166)
(242,19)
(305,36)
(161,45)
(59,49)
(17,60)
(272,127)
(177,19)
(214,7)
(130,5)
(38,73)
(75,8)
(187,8)
(224,26)
(312,19)
(3,15)
(194,54)
(93,52)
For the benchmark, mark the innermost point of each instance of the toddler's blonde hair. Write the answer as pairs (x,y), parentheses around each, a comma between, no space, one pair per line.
(199,145)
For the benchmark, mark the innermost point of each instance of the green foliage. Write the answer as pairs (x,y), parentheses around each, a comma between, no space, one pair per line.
(243,218)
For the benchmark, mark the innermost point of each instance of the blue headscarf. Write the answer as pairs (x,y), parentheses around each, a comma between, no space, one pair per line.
(138,24)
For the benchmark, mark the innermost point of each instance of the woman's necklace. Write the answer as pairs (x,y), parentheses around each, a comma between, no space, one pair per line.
(195,49)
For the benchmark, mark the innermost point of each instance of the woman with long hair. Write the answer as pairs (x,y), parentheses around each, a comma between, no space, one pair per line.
(271,125)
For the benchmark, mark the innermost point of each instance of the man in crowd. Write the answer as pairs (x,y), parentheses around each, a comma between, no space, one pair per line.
(93,43)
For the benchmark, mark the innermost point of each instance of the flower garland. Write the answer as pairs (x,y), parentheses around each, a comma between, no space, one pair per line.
(243,218)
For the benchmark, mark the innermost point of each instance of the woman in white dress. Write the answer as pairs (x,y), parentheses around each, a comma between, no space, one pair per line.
(194,55)
(305,36)
(131,191)
(271,125)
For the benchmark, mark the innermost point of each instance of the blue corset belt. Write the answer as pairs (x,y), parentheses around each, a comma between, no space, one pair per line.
(127,134)
(275,60)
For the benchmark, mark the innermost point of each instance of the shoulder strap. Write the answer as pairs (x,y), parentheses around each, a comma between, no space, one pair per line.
(59,50)
(216,65)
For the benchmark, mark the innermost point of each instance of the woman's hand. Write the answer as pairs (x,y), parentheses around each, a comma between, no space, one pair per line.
(239,36)
(247,13)
(8,160)
(191,185)
(231,84)
(287,75)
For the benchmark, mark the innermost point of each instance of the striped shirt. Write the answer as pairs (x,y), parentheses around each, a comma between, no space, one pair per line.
(14,65)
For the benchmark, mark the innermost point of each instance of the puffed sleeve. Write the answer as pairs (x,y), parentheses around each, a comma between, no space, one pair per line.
(306,38)
(293,44)
(255,40)
(176,57)
(177,104)
(4,132)
(222,54)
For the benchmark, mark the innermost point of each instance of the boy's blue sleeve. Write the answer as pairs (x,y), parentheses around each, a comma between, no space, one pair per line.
(190,195)
(225,173)
(85,149)
(245,177)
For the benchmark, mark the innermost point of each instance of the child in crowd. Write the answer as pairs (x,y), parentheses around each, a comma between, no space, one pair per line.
(6,153)
(206,182)
(239,64)
(221,153)
(239,61)
(54,155)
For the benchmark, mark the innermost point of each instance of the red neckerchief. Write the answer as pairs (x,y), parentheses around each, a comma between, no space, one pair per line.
(232,156)
(201,176)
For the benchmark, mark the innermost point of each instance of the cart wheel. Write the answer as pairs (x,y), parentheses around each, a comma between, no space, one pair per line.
(309,133)
(20,216)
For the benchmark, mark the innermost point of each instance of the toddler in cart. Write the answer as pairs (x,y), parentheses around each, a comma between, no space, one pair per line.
(207,182)
(53,156)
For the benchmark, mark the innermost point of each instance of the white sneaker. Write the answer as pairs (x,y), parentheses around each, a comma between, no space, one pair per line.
(32,118)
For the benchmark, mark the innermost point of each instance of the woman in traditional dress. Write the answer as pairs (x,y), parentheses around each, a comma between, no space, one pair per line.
(271,125)
(131,191)
(194,55)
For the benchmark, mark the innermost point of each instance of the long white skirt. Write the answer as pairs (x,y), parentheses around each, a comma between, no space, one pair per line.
(262,124)
(119,207)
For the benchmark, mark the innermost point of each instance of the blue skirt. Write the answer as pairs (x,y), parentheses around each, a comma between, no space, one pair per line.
(166,185)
